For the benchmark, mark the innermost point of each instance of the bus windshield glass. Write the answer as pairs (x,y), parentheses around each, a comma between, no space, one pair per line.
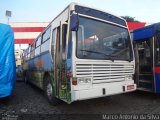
(103,41)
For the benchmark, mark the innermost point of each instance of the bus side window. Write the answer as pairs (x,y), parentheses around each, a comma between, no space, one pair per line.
(38,42)
(46,35)
(32,50)
(28,53)
(81,41)
(158,49)
(45,40)
(53,42)
(37,49)
(57,52)
(64,36)
(69,54)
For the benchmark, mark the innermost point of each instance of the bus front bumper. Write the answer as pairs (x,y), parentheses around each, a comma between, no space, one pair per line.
(101,91)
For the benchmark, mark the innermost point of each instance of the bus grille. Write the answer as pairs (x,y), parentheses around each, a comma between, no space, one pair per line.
(104,72)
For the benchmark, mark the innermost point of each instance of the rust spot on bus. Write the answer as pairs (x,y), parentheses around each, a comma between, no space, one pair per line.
(39,63)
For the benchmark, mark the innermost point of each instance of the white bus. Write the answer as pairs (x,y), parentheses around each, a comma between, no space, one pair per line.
(84,53)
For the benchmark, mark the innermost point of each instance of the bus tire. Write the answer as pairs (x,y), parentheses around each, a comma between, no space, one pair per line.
(49,91)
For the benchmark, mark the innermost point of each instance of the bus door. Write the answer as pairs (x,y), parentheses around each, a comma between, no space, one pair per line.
(60,61)
(144,65)
(157,62)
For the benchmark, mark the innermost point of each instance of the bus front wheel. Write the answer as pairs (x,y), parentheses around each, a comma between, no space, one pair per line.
(49,91)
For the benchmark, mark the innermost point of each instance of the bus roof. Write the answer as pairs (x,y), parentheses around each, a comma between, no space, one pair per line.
(145,32)
(70,7)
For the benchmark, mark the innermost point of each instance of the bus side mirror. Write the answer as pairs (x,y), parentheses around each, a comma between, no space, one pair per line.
(74,22)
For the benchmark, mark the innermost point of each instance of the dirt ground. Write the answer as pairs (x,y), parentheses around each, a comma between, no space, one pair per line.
(28,99)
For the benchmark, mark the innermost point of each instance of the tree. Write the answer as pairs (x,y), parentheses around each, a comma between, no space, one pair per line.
(129,19)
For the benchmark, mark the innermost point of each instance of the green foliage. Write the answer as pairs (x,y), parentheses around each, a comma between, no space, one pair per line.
(130,19)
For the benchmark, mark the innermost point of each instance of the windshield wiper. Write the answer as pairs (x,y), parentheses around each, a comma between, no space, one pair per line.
(110,56)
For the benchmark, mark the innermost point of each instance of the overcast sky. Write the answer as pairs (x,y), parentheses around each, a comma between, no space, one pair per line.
(46,10)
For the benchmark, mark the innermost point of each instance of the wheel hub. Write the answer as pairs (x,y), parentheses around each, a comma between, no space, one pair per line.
(49,90)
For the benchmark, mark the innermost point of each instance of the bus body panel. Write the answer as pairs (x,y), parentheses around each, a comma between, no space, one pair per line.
(98,90)
(145,32)
(157,79)
(106,75)
(38,66)
(150,35)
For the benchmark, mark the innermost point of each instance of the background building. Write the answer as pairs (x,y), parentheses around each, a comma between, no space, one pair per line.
(25,33)
(18,55)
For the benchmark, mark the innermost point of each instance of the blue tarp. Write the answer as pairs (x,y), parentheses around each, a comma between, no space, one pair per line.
(7,61)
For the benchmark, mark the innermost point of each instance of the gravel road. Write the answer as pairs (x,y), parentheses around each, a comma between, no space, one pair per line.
(28,99)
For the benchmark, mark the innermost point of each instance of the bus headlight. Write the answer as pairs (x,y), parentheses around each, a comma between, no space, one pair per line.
(129,77)
(84,80)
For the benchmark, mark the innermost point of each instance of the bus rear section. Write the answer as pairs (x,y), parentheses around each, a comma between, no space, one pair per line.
(7,61)
(146,46)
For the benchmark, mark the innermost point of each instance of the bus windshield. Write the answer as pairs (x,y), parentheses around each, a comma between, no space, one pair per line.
(101,40)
